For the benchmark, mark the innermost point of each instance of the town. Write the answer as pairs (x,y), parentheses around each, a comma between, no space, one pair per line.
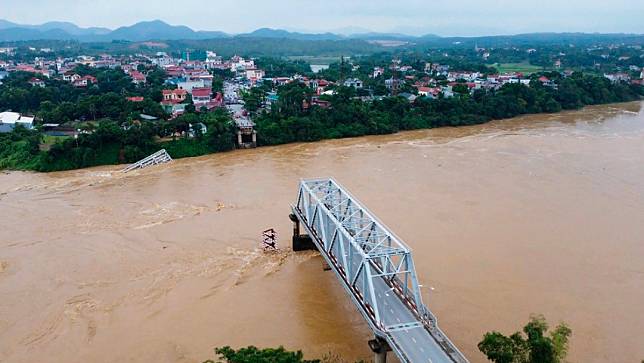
(178,97)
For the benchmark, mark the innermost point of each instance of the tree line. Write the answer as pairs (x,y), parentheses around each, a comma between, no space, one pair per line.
(290,120)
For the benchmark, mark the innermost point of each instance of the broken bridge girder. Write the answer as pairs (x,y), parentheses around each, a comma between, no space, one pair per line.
(158,157)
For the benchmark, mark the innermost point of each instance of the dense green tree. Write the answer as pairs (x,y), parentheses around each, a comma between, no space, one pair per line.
(276,67)
(253,99)
(534,346)
(253,354)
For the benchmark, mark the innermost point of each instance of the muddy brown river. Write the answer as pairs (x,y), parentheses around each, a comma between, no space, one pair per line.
(539,214)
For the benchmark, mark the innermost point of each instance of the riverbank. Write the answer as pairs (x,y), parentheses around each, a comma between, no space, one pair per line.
(22,152)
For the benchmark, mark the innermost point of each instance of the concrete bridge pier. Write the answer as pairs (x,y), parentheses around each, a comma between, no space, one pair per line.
(380,348)
(301,242)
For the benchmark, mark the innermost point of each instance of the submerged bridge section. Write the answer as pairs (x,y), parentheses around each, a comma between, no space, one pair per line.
(375,268)
(158,157)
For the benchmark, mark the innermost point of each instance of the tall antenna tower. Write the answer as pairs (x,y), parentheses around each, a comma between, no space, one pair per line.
(394,80)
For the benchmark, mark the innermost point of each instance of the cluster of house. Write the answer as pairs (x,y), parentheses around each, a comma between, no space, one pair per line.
(194,78)
(63,69)
(472,81)
(241,67)
(175,101)
(187,78)
(625,77)
(9,120)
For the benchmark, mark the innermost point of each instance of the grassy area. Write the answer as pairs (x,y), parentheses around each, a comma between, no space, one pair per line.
(525,68)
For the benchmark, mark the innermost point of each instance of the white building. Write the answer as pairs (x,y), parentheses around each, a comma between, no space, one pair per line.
(353,82)
(213,60)
(254,73)
(239,63)
(9,120)
(188,85)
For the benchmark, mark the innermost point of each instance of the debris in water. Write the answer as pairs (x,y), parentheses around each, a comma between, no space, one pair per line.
(269,241)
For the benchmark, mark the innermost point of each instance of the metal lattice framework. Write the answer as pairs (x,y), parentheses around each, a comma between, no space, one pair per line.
(369,259)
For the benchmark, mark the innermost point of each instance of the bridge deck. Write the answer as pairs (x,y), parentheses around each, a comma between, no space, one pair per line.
(375,268)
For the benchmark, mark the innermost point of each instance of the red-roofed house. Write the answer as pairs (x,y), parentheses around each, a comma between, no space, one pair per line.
(216,102)
(174,71)
(70,76)
(135,99)
(26,68)
(429,92)
(172,96)
(37,82)
(84,81)
(138,77)
(201,96)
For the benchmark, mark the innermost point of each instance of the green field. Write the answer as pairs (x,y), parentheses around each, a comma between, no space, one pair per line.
(517,67)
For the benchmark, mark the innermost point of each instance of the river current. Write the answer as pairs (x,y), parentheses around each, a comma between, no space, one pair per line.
(537,214)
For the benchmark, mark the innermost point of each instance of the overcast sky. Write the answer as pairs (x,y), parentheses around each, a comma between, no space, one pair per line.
(442,17)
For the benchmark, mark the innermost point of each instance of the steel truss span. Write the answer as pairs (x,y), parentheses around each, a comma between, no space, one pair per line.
(377,270)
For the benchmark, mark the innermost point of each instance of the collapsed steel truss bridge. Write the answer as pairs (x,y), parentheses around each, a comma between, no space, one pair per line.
(375,268)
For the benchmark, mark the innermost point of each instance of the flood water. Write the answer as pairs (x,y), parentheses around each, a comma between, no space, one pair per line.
(540,214)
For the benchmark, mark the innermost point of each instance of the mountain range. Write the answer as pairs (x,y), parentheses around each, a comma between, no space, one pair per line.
(159,30)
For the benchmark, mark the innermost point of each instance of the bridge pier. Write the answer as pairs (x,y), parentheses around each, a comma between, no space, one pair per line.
(380,348)
(301,242)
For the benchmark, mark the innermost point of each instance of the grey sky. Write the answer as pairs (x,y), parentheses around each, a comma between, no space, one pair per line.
(443,17)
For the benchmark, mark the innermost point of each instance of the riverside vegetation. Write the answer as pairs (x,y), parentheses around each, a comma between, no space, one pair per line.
(536,345)
(113,134)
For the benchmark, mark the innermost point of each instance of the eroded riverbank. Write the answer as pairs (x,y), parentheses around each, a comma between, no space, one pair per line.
(539,214)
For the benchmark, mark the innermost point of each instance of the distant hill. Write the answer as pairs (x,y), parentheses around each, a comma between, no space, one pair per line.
(24,34)
(159,30)
(71,28)
(284,34)
(147,30)
(4,24)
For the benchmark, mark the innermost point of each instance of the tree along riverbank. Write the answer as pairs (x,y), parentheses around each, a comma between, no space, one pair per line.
(294,118)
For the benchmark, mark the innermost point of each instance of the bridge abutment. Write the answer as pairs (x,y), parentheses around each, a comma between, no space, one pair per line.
(379,347)
(301,242)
